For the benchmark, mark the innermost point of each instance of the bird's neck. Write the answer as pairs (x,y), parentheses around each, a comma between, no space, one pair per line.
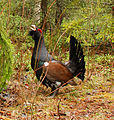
(40,52)
(39,46)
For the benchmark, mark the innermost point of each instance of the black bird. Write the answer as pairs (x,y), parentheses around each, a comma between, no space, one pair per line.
(51,72)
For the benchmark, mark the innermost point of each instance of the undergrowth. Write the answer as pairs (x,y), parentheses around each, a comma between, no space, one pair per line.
(91,99)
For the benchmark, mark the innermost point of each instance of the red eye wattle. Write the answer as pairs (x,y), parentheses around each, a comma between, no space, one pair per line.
(40,30)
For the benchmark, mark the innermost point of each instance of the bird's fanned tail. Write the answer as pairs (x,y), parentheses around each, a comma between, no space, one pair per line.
(76,59)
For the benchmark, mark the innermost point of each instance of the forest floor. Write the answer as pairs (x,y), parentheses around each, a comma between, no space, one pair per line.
(92,99)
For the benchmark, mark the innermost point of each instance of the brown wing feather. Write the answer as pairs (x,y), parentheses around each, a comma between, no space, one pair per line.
(58,72)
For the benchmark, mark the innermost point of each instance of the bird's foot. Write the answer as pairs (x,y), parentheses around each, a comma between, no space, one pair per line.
(53,94)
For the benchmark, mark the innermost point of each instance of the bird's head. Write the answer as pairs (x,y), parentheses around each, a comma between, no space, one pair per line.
(35,32)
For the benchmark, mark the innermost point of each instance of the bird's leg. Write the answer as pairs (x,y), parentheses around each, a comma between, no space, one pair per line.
(53,91)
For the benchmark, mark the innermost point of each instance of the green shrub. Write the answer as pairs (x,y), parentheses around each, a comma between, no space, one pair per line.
(6,58)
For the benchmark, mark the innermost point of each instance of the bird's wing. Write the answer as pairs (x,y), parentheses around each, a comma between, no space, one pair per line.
(56,71)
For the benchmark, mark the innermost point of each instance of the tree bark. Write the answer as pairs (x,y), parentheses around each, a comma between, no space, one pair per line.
(37,11)
(44,12)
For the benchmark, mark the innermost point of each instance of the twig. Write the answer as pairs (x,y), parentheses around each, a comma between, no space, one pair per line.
(58,41)
(4,8)
(58,108)
(47,14)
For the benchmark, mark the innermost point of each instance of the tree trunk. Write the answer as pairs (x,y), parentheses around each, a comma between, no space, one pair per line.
(44,12)
(37,11)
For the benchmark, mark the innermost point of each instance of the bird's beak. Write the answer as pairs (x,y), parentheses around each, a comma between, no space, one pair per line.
(33,27)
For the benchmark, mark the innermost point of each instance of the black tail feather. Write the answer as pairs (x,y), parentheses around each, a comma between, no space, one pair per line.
(76,59)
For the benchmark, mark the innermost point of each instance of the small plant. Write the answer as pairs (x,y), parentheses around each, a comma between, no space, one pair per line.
(6,58)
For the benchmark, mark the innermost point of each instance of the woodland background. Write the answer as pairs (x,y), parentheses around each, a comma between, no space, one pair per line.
(90,21)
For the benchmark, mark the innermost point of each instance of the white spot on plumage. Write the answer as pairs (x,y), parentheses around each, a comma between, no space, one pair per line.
(46,64)
(58,83)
